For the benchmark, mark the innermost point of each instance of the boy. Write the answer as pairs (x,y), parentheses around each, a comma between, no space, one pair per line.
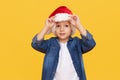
(63,54)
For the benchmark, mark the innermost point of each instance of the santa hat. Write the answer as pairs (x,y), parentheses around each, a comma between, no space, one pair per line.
(62,13)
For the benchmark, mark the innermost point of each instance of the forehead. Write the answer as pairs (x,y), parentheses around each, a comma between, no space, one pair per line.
(63,22)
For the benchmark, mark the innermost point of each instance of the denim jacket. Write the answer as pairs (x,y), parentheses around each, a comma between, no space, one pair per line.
(51,47)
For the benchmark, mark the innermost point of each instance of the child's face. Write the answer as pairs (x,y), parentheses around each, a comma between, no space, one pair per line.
(63,30)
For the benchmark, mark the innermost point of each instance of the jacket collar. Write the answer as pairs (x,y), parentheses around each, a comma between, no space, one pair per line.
(70,38)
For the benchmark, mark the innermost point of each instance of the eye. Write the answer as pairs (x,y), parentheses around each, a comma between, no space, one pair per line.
(66,25)
(57,25)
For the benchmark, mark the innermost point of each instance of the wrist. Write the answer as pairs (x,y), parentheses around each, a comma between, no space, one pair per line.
(45,29)
(82,30)
(79,26)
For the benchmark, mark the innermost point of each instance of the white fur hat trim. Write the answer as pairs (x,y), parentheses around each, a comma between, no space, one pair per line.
(62,17)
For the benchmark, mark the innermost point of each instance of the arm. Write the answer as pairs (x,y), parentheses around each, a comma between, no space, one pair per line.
(39,45)
(38,42)
(87,42)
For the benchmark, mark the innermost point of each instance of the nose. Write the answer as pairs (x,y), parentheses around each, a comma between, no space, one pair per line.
(61,28)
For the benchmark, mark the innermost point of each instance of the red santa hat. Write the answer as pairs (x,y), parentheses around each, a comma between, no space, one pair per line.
(62,13)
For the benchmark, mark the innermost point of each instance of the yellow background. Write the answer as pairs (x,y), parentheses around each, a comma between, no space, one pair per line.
(20,20)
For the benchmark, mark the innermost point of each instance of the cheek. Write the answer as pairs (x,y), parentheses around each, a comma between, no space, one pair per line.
(69,31)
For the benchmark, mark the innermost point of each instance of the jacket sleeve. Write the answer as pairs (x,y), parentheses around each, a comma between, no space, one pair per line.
(40,45)
(87,42)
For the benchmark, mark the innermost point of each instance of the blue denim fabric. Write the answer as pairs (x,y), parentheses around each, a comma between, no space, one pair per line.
(51,47)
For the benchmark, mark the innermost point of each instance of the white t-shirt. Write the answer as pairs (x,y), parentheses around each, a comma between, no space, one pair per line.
(65,69)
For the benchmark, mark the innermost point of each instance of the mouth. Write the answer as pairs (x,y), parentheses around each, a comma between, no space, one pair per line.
(62,34)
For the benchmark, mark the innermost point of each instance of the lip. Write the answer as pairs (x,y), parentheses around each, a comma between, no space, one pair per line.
(62,34)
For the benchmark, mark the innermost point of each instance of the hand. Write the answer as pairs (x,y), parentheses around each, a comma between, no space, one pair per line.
(50,23)
(75,21)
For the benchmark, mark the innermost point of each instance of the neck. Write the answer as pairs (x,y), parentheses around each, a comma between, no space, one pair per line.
(63,40)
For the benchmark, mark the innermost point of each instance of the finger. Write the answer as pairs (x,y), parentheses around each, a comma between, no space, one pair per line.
(49,20)
(70,16)
(52,18)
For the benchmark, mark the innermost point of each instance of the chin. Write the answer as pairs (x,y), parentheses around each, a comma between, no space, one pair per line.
(63,38)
